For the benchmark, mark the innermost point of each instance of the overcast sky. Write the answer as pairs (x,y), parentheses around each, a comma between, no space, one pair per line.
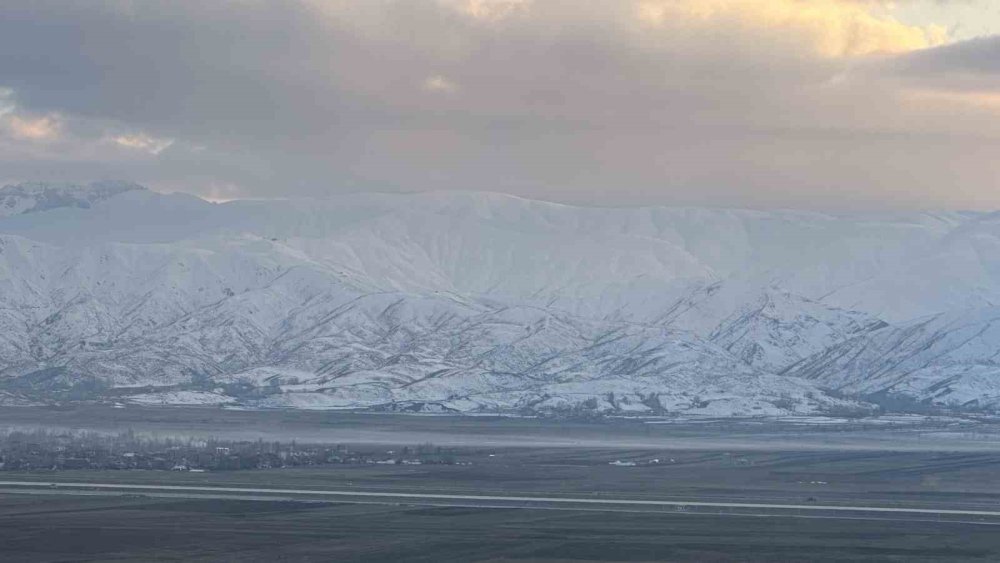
(843,104)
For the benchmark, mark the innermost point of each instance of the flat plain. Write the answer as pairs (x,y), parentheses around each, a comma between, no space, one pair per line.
(929,466)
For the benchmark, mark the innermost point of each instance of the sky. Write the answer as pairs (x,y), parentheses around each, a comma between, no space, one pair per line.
(818,104)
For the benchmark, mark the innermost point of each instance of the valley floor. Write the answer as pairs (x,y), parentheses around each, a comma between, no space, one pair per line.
(885,433)
(34,528)
(944,474)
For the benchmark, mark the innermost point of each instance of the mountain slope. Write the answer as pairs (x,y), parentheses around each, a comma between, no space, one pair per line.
(35,197)
(950,360)
(484,302)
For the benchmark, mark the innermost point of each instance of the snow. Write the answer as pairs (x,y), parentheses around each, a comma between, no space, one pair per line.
(179,398)
(35,197)
(950,359)
(478,302)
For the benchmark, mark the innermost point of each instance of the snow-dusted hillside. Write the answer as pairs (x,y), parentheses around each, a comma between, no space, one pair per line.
(480,302)
(33,197)
(951,359)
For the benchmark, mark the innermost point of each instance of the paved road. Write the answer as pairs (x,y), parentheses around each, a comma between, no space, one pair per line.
(433,498)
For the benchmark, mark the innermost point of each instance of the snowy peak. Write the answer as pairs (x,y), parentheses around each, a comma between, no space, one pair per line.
(32,197)
(485,302)
(778,329)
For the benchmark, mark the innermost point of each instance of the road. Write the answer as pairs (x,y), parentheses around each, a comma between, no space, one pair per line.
(546,502)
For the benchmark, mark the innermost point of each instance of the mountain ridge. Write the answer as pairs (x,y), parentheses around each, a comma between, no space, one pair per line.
(468,302)
(32,197)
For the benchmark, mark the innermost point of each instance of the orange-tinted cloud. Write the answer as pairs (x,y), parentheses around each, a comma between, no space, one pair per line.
(830,28)
(440,84)
(44,128)
(143,142)
(489,10)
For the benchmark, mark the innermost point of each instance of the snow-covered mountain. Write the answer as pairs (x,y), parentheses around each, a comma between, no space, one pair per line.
(950,359)
(484,302)
(33,197)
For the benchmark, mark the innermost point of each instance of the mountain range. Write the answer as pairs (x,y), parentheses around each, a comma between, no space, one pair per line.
(478,302)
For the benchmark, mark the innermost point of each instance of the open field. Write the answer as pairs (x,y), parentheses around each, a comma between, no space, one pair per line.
(696,491)
(917,480)
(143,529)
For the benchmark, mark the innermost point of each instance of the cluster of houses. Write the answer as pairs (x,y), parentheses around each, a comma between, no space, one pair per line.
(43,450)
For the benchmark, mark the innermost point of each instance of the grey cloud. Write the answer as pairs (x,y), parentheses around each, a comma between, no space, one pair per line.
(308,98)
(167,65)
(971,63)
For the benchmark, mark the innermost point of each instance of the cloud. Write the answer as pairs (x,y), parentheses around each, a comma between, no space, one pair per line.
(954,78)
(6,102)
(440,84)
(45,128)
(489,10)
(973,63)
(831,28)
(142,142)
(723,102)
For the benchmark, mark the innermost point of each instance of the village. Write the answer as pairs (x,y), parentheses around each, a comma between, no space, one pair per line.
(41,450)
